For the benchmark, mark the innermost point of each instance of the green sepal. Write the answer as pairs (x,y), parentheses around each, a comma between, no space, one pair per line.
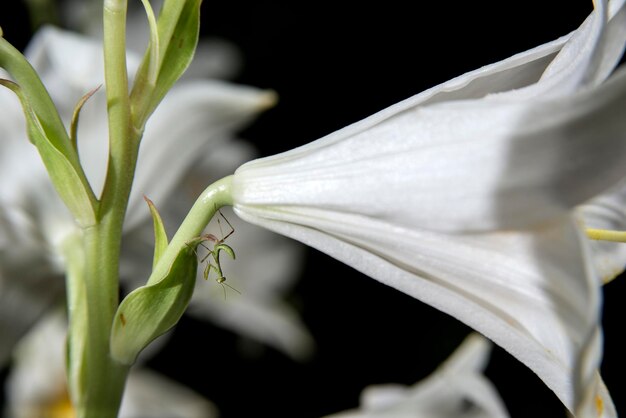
(178,29)
(47,132)
(151,310)
(160,236)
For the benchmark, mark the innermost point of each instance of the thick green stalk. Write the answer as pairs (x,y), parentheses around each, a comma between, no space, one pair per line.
(123,138)
(97,380)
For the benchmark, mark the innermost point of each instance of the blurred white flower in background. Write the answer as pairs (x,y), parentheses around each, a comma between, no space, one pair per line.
(37,383)
(456,389)
(183,140)
(215,57)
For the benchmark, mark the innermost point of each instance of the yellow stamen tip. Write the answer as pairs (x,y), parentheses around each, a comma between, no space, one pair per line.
(606,235)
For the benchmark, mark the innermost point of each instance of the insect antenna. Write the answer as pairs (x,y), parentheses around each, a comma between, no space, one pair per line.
(222,282)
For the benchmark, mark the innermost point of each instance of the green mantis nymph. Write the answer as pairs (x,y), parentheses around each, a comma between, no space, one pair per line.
(218,247)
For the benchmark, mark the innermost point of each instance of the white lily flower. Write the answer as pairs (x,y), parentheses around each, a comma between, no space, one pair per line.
(196,118)
(36,386)
(461,197)
(456,389)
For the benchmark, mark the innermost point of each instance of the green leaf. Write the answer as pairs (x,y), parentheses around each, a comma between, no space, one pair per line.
(178,29)
(47,132)
(151,310)
(160,236)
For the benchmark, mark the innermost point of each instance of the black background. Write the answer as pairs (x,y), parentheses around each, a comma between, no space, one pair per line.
(333,63)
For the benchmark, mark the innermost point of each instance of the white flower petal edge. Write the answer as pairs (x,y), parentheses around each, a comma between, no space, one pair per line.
(149,394)
(607,211)
(456,389)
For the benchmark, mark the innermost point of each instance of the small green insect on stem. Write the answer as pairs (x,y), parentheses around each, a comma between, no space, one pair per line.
(218,247)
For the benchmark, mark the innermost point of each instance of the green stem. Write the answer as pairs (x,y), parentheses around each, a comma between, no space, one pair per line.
(97,380)
(123,139)
(215,196)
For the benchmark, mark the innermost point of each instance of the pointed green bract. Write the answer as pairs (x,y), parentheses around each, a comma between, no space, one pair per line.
(178,28)
(76,115)
(151,310)
(154,52)
(47,132)
(160,236)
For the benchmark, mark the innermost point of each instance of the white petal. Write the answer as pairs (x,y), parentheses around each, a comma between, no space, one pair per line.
(37,377)
(593,51)
(588,57)
(530,292)
(32,222)
(21,169)
(455,166)
(607,211)
(23,300)
(456,389)
(69,64)
(37,381)
(192,116)
(151,395)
